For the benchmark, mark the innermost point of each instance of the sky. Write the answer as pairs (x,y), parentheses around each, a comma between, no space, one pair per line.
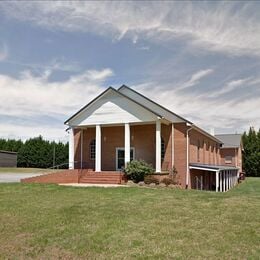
(199,59)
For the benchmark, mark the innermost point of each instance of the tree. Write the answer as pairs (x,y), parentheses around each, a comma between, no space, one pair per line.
(37,152)
(251,154)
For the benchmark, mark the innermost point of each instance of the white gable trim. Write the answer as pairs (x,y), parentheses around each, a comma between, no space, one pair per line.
(112,107)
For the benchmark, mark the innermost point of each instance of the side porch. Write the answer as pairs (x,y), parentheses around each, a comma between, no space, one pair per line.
(213,177)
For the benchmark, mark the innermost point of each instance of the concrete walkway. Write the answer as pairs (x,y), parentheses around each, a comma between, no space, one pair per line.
(85,185)
(15,177)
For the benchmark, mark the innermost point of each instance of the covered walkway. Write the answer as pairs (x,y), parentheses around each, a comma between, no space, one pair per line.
(220,178)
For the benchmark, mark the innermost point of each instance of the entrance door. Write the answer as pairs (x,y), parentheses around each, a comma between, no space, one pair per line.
(120,157)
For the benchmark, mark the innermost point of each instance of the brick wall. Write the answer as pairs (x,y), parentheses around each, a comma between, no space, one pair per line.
(236,154)
(142,140)
(67,176)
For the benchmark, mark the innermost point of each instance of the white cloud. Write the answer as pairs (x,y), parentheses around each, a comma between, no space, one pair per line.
(195,79)
(220,26)
(3,52)
(230,86)
(223,115)
(33,97)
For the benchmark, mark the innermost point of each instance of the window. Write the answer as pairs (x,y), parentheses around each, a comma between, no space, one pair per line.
(92,148)
(198,151)
(162,149)
(228,159)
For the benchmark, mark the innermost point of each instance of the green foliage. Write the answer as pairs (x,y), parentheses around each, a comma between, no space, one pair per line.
(37,152)
(251,154)
(148,179)
(137,170)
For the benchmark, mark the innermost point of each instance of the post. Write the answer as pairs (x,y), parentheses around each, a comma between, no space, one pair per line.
(224,181)
(127,143)
(221,181)
(217,180)
(158,147)
(98,149)
(71,149)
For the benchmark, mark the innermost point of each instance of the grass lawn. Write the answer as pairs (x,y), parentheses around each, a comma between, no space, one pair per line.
(25,170)
(50,222)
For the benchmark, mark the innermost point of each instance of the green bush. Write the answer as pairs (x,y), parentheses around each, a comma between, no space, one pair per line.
(150,179)
(137,170)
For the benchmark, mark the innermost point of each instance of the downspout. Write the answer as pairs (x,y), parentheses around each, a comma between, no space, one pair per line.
(187,155)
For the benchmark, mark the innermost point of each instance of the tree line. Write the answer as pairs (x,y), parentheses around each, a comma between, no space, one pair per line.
(37,152)
(251,154)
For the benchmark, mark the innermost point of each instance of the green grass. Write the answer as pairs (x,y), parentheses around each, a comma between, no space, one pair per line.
(52,222)
(24,170)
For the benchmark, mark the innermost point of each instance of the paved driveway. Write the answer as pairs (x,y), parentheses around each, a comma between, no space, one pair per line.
(15,177)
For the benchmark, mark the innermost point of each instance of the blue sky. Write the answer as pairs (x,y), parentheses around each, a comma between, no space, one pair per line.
(199,59)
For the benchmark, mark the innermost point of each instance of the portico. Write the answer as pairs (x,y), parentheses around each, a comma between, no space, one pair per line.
(134,141)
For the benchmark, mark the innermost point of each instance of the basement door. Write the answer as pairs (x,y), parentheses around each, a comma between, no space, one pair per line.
(120,157)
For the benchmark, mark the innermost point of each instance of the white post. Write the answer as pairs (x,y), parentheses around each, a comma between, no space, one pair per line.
(71,149)
(127,144)
(217,180)
(158,146)
(98,149)
(221,181)
(224,180)
(229,179)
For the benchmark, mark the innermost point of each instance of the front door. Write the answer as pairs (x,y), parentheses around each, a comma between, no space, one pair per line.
(120,157)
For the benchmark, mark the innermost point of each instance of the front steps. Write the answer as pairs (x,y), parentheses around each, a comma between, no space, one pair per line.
(105,177)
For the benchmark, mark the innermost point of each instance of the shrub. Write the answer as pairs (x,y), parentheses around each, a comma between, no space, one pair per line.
(137,170)
(150,179)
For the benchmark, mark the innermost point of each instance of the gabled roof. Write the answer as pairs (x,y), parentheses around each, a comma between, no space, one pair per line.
(101,95)
(164,111)
(230,140)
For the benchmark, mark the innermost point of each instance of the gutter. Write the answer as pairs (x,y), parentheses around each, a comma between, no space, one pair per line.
(187,155)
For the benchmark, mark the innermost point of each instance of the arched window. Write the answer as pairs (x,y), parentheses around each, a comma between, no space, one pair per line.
(92,149)
(162,149)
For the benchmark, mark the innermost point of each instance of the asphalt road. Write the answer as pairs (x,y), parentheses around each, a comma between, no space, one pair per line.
(15,177)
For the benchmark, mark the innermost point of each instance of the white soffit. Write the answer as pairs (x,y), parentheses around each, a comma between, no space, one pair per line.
(113,108)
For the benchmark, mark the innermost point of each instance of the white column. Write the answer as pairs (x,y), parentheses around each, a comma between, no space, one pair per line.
(217,180)
(224,181)
(158,146)
(127,144)
(229,179)
(220,181)
(98,149)
(71,149)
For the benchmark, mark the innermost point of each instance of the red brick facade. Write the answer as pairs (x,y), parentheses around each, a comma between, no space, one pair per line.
(202,149)
(231,157)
